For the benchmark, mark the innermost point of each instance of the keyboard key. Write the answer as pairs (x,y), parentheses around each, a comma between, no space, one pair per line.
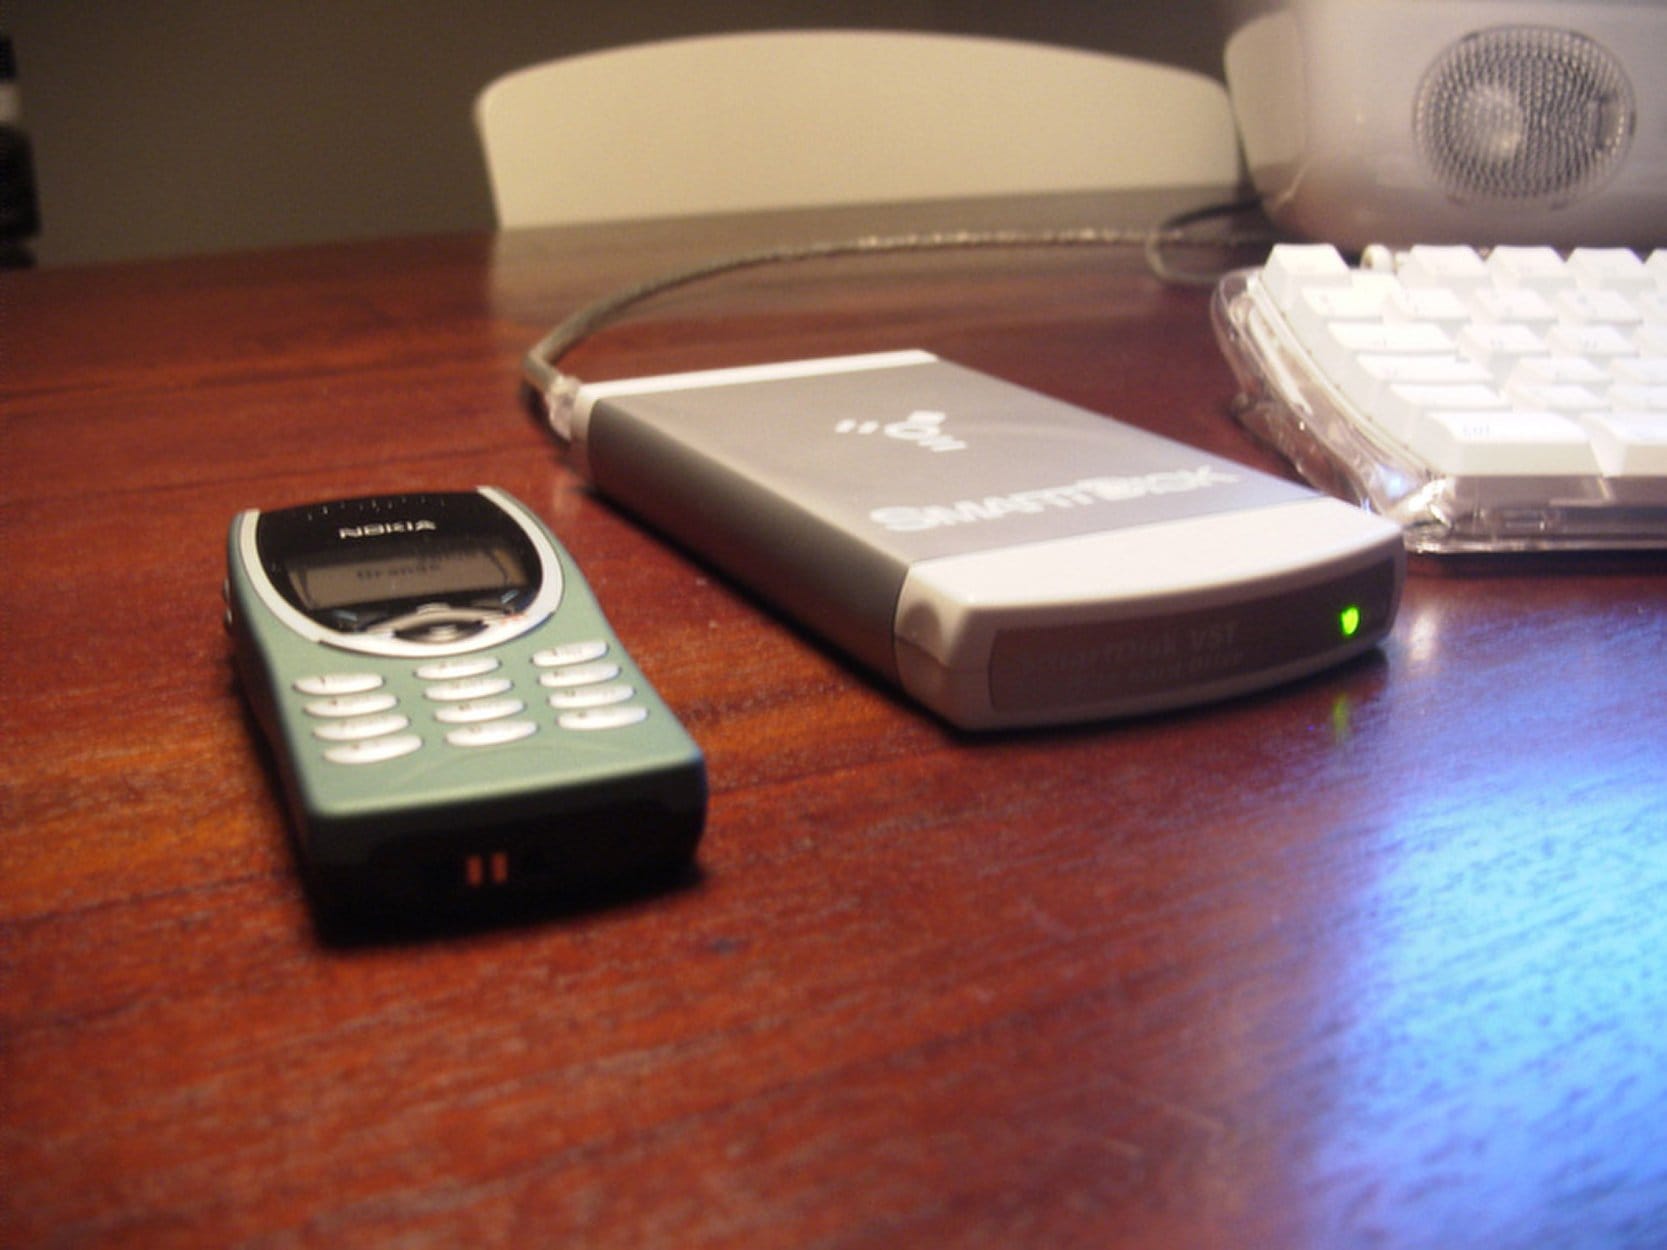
(1401,338)
(1401,409)
(1457,268)
(1555,396)
(1342,342)
(1503,442)
(1651,339)
(1517,305)
(1616,269)
(1498,346)
(1295,267)
(1317,309)
(1637,397)
(1640,370)
(1541,268)
(1433,304)
(1628,444)
(1523,392)
(1590,340)
(1557,370)
(1374,376)
(1361,300)
(1587,307)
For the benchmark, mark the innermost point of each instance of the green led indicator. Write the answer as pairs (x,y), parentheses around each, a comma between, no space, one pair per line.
(1348,621)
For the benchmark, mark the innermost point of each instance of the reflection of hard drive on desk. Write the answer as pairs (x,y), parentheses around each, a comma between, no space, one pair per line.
(1007,559)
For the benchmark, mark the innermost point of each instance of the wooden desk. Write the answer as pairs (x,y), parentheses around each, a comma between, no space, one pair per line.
(1377,959)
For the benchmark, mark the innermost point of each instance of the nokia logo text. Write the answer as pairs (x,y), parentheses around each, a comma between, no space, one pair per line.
(378,528)
(1085,493)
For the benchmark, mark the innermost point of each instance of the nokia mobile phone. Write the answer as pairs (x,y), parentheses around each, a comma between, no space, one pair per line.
(453,720)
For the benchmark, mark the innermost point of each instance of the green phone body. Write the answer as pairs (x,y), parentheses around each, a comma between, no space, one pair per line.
(454,722)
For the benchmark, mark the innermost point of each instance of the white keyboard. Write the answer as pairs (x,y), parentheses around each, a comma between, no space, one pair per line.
(1507,400)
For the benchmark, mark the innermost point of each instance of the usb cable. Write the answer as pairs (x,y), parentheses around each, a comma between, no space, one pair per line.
(558,391)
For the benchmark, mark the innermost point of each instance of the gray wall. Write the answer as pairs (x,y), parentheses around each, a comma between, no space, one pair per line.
(165,127)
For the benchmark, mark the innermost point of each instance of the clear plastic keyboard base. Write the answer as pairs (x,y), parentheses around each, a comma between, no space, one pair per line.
(1487,402)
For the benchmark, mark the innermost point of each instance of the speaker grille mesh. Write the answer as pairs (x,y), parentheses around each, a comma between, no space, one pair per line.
(1523,114)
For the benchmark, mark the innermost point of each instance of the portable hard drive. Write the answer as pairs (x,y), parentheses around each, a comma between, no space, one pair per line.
(1005,558)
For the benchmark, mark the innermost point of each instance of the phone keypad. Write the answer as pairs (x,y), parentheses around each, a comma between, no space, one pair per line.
(570,653)
(358,727)
(468,689)
(459,667)
(374,750)
(594,718)
(491,733)
(478,710)
(574,675)
(580,697)
(472,700)
(338,683)
(342,706)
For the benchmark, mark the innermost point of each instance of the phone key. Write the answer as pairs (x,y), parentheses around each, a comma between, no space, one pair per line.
(571,653)
(374,750)
(579,675)
(491,733)
(477,710)
(590,696)
(360,727)
(619,716)
(457,667)
(467,689)
(337,683)
(339,707)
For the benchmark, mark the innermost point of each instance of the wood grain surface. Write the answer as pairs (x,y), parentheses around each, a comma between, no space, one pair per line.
(1372,960)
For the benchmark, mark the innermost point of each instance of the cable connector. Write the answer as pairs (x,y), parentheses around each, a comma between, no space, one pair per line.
(561,402)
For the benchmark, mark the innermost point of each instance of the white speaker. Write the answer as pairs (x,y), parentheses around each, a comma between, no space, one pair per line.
(1466,121)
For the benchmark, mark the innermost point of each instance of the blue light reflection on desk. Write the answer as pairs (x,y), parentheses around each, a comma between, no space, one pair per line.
(1509,980)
